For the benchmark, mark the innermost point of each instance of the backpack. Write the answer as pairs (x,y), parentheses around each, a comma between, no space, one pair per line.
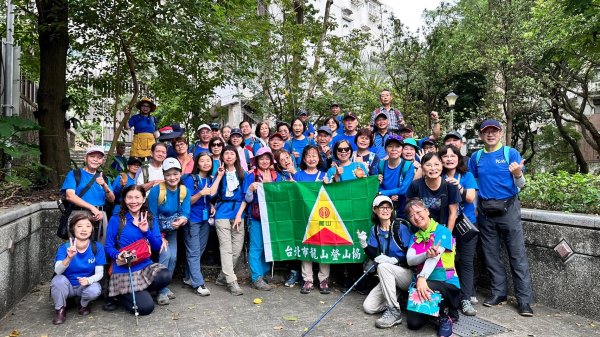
(403,168)
(505,149)
(162,193)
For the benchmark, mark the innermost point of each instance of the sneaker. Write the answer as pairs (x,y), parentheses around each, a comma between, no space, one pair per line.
(187,282)
(307,287)
(391,316)
(467,308)
(260,284)
(203,291)
(324,287)
(234,288)
(170,294)
(221,281)
(162,299)
(293,279)
(445,329)
(474,300)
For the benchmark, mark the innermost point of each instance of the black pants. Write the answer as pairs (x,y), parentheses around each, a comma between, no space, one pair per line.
(465,250)
(143,298)
(450,298)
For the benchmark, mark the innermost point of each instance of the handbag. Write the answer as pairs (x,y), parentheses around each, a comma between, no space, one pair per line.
(464,229)
(140,250)
(427,307)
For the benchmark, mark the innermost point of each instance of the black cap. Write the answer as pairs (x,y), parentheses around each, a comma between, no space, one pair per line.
(428,141)
(349,115)
(215,126)
(453,134)
(334,104)
(407,127)
(134,161)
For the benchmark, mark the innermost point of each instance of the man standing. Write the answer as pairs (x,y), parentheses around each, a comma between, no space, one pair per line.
(395,117)
(215,130)
(499,173)
(250,141)
(120,162)
(350,126)
(456,139)
(324,145)
(151,174)
(335,113)
(310,129)
(381,133)
(204,135)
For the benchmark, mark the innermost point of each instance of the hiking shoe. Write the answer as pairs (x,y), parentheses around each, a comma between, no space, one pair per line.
(170,294)
(221,281)
(494,300)
(187,282)
(445,329)
(474,300)
(467,308)
(234,288)
(260,284)
(307,287)
(391,316)
(162,299)
(293,279)
(324,287)
(203,291)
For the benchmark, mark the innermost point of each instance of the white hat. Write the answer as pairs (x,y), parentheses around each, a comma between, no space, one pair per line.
(204,126)
(381,199)
(170,163)
(94,149)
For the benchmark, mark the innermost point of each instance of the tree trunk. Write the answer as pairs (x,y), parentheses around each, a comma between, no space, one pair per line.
(319,51)
(583,165)
(52,104)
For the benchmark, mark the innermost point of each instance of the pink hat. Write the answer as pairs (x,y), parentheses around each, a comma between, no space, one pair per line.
(262,151)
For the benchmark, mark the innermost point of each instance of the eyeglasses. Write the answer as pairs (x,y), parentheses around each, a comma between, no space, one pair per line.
(343,149)
(385,208)
(217,145)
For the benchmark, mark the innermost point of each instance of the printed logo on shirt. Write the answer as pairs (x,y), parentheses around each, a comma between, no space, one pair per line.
(500,161)
(432,203)
(92,260)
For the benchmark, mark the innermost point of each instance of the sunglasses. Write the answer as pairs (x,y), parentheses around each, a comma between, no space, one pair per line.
(217,144)
(343,149)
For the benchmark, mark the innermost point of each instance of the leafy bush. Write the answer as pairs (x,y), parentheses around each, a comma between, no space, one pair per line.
(562,191)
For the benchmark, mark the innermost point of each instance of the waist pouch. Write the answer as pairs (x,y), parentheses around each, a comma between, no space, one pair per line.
(495,207)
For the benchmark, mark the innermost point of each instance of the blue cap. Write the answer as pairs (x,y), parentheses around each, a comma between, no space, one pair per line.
(490,123)
(236,131)
(302,112)
(394,138)
(325,129)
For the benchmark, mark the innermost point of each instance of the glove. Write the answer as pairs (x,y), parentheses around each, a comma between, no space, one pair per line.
(386,259)
(362,238)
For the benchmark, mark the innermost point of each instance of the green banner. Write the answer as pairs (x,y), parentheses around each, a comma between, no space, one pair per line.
(312,221)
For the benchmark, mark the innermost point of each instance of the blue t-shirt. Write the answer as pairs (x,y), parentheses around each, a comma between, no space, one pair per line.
(94,196)
(386,244)
(197,209)
(216,164)
(340,120)
(142,124)
(119,164)
(253,144)
(343,136)
(228,206)
(348,173)
(117,188)
(303,176)
(493,176)
(82,264)
(467,181)
(197,149)
(298,145)
(171,204)
(130,234)
(396,183)
(309,129)
(433,199)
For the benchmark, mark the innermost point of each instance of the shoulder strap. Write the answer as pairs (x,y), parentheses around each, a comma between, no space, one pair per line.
(381,167)
(162,193)
(94,247)
(396,236)
(89,184)
(404,168)
(145,173)
(182,193)
(478,156)
(506,150)
(77,175)
(121,226)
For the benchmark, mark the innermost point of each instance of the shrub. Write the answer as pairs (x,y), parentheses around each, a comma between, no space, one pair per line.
(562,191)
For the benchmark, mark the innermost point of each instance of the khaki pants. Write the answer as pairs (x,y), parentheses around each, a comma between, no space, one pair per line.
(99,226)
(231,242)
(307,271)
(384,294)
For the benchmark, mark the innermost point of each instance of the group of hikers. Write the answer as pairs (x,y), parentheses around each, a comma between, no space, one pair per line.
(168,184)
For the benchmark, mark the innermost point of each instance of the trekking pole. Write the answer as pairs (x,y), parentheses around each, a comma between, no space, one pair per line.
(340,299)
(128,259)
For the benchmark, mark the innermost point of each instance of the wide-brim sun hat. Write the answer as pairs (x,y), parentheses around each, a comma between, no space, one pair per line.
(146,100)
(263,151)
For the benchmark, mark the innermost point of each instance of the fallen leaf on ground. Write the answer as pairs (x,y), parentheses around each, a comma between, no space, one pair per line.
(279,327)
(322,302)
(257,301)
(290,318)
(14,333)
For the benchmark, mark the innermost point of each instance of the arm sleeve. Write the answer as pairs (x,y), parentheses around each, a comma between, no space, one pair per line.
(520,182)
(473,165)
(430,263)
(59,268)
(98,274)
(374,167)
(186,205)
(414,259)
(408,179)
(372,245)
(69,183)
(153,200)
(116,185)
(131,121)
(153,235)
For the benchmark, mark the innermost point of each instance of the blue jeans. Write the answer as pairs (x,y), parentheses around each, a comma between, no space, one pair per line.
(168,258)
(256,255)
(196,237)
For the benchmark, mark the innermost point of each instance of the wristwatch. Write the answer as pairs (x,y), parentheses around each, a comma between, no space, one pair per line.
(421,275)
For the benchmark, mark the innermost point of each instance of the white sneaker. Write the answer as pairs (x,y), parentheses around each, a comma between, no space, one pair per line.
(474,300)
(187,282)
(203,291)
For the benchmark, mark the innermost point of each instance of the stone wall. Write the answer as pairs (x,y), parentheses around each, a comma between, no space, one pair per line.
(565,286)
(27,245)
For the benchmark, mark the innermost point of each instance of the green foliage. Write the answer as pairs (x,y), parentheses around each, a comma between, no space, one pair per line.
(552,153)
(562,191)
